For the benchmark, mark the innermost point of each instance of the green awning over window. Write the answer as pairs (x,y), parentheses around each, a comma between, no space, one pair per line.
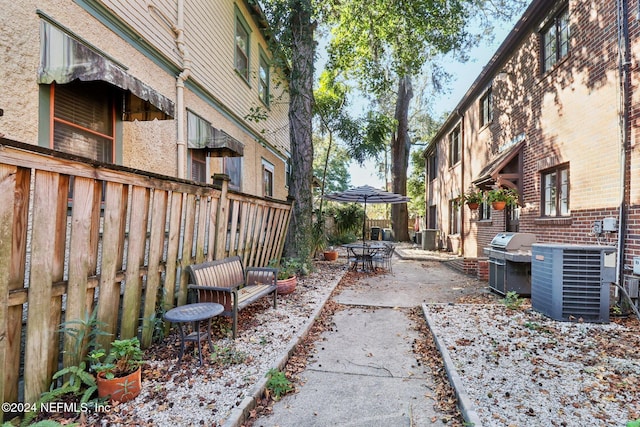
(64,59)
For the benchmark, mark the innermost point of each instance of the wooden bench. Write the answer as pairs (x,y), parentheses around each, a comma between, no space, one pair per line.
(226,282)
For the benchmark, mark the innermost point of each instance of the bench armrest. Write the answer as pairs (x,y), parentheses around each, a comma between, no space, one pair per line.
(264,275)
(215,288)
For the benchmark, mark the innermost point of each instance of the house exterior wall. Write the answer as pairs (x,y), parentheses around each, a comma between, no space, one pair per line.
(140,37)
(569,114)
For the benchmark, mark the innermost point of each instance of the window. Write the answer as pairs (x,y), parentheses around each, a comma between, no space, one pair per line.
(555,192)
(289,172)
(267,178)
(484,211)
(454,217)
(263,80)
(198,165)
(431,163)
(84,120)
(454,146)
(199,131)
(555,40)
(242,46)
(486,108)
(233,168)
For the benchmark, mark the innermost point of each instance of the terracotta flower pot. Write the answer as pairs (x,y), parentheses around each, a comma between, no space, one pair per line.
(121,389)
(330,255)
(499,205)
(286,286)
(473,206)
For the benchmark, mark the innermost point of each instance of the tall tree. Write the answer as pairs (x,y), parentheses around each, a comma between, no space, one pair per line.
(386,43)
(293,26)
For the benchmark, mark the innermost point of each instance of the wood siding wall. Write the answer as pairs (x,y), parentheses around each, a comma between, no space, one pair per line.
(76,236)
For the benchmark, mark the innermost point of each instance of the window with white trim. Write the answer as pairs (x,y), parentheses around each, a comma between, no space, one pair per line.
(267,178)
(264,79)
(242,42)
(455,146)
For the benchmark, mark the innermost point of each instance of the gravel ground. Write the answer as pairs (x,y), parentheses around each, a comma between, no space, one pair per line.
(185,394)
(520,368)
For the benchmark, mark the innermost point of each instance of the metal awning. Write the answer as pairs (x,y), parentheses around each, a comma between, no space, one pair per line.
(64,59)
(224,145)
(494,170)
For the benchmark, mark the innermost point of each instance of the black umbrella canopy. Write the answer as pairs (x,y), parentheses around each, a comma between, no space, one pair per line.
(366,194)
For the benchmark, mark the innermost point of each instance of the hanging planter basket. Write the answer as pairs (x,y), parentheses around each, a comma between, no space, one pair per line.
(473,206)
(499,206)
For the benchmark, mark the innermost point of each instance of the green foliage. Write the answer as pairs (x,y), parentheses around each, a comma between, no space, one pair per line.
(278,384)
(289,267)
(512,300)
(508,195)
(635,423)
(124,358)
(347,217)
(225,356)
(474,195)
(337,174)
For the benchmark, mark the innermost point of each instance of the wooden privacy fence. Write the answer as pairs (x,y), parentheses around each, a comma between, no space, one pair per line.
(77,236)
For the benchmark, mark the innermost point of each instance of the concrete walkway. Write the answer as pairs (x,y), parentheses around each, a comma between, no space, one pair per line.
(364,372)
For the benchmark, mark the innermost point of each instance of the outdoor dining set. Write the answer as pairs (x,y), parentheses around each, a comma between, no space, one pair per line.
(366,256)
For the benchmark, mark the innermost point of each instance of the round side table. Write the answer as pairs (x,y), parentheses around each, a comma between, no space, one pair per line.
(194,313)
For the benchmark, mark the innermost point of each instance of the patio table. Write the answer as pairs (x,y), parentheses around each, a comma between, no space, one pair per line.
(194,313)
(362,253)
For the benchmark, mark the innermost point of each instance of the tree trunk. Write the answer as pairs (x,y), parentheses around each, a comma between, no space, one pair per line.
(299,237)
(400,149)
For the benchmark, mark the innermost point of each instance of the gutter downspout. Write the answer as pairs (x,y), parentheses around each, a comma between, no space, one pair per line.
(624,62)
(180,79)
(178,31)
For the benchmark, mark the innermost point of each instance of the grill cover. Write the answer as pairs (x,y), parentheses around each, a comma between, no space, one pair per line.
(513,241)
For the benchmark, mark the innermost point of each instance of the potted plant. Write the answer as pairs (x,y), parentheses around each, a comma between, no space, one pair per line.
(118,373)
(330,254)
(473,198)
(287,274)
(502,197)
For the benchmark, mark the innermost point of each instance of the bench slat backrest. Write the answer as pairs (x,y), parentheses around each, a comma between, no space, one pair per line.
(224,273)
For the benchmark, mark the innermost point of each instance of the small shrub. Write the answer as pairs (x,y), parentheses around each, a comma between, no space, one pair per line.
(226,356)
(512,300)
(278,384)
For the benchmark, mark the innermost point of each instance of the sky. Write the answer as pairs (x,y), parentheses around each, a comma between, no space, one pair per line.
(464,75)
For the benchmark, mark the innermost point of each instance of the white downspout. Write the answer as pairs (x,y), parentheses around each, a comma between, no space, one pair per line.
(182,77)
(178,31)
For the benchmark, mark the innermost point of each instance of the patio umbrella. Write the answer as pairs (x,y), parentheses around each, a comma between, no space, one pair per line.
(366,194)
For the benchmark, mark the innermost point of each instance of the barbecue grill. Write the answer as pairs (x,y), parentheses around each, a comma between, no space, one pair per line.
(510,263)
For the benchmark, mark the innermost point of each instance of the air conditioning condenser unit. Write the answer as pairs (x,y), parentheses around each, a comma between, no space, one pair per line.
(572,282)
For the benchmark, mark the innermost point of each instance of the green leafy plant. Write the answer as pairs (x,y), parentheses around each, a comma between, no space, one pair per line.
(278,384)
(508,195)
(635,423)
(124,358)
(226,356)
(474,195)
(289,267)
(512,300)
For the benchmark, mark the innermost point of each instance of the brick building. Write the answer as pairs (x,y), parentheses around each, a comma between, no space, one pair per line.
(554,116)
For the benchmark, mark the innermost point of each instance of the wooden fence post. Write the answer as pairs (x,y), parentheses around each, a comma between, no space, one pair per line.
(223,215)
